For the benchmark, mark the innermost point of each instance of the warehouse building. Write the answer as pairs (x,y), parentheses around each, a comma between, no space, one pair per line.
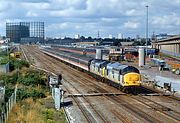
(169,45)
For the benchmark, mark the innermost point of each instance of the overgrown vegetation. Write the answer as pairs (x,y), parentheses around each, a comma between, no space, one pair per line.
(33,78)
(23,93)
(18,64)
(4,60)
(31,92)
(36,111)
(3,53)
(28,80)
(51,116)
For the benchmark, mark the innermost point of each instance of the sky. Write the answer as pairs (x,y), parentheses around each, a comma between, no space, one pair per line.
(87,17)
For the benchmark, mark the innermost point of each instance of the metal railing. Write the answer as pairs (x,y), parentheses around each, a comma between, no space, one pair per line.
(6,108)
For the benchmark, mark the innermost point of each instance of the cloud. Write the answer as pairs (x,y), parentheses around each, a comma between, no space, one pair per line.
(133,12)
(69,17)
(56,4)
(4,6)
(109,19)
(60,26)
(2,24)
(31,14)
(166,20)
(131,25)
(31,1)
(36,6)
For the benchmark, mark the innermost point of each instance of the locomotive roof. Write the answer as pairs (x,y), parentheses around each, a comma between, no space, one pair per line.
(120,67)
(101,63)
(113,65)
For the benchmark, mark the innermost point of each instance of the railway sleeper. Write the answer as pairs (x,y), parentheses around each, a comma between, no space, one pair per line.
(95,94)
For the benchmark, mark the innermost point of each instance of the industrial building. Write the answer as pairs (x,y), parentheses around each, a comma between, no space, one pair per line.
(169,46)
(25,32)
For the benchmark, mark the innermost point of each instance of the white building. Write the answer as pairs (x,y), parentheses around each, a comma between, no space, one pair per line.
(77,36)
(120,36)
(110,36)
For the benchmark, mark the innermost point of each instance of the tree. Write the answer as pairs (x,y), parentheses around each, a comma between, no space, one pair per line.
(82,38)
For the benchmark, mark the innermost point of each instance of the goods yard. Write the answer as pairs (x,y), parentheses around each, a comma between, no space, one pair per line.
(87,99)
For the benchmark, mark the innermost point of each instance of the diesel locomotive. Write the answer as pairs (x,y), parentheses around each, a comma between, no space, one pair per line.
(125,77)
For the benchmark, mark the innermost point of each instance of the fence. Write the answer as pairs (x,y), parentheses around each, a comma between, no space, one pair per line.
(6,108)
(4,68)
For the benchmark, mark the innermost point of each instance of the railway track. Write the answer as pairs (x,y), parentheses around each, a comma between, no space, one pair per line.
(89,116)
(93,85)
(89,113)
(75,76)
(120,116)
(156,106)
(174,115)
(127,106)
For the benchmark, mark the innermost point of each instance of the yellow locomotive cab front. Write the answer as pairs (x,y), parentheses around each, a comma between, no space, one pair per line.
(132,79)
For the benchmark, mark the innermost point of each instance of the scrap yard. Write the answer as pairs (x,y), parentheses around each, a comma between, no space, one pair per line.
(95,97)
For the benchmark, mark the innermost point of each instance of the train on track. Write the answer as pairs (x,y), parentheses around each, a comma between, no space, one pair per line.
(127,78)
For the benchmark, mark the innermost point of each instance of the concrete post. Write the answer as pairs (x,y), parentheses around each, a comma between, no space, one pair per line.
(169,48)
(57,98)
(172,49)
(177,48)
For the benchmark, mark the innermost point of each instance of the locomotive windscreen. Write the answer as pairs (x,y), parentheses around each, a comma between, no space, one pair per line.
(129,69)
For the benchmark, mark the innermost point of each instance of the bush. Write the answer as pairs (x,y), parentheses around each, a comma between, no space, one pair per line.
(9,79)
(27,77)
(32,77)
(18,64)
(49,113)
(26,93)
(8,92)
(3,53)
(4,60)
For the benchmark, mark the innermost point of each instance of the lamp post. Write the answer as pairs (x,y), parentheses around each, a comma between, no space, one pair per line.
(146,28)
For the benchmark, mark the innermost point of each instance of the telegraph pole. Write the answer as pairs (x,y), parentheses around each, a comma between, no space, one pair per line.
(146,28)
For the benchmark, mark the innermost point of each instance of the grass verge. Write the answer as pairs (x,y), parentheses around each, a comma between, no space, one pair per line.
(36,111)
